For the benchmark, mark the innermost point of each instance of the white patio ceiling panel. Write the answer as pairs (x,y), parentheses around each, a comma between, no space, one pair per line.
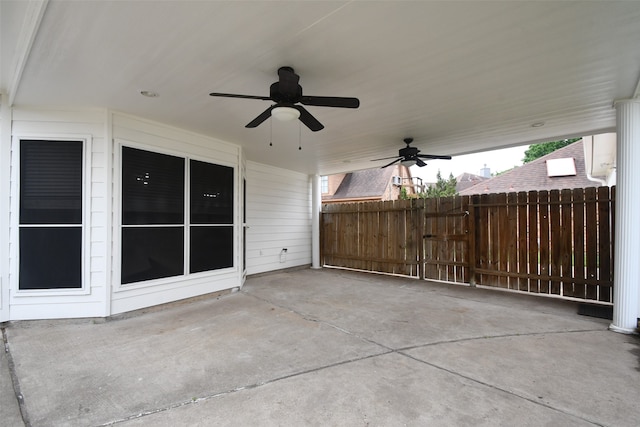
(459,77)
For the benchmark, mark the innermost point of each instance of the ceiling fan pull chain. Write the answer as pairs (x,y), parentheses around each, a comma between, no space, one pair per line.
(299,136)
(271,132)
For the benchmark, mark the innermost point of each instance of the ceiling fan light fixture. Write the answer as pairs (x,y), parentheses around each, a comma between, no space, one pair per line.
(408,163)
(285,114)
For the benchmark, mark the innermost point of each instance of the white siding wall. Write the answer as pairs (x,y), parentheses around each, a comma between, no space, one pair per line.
(79,125)
(278,216)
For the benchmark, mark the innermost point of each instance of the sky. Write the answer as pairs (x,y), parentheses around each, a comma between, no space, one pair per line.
(495,160)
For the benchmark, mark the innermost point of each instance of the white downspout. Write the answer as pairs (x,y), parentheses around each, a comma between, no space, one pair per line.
(588,141)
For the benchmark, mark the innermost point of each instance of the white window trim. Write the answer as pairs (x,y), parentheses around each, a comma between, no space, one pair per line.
(116,277)
(324,182)
(86,212)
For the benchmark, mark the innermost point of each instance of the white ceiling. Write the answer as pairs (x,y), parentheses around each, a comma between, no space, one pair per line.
(458,77)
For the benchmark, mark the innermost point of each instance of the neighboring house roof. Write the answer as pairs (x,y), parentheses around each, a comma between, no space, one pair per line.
(466,180)
(363,184)
(534,175)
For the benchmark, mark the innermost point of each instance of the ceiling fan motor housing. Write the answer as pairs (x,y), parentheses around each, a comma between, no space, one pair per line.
(280,97)
(408,152)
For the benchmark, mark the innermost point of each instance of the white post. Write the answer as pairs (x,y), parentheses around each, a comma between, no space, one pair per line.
(5,179)
(626,267)
(316,206)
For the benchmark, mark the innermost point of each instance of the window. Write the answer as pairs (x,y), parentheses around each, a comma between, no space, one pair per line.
(50,215)
(211,207)
(167,219)
(324,184)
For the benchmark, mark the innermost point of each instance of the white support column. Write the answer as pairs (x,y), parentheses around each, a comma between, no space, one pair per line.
(5,190)
(316,206)
(627,233)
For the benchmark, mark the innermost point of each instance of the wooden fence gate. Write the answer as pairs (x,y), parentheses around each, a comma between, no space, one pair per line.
(548,242)
(446,239)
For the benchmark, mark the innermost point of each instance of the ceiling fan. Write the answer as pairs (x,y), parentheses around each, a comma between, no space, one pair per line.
(287,94)
(410,154)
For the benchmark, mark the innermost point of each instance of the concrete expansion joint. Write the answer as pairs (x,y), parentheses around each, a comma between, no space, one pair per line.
(487,337)
(14,379)
(316,320)
(196,400)
(537,401)
(386,350)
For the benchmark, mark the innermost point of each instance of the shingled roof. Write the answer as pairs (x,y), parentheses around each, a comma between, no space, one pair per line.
(533,175)
(467,180)
(364,183)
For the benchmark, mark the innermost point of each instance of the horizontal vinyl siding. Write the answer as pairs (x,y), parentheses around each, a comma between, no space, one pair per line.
(67,125)
(175,140)
(278,216)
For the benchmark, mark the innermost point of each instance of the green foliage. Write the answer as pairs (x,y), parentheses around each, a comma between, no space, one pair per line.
(403,194)
(536,151)
(442,187)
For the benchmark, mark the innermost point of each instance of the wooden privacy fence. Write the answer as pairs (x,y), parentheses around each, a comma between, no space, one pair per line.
(557,242)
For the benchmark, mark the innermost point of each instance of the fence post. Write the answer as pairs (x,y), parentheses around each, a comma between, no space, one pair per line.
(420,237)
(472,238)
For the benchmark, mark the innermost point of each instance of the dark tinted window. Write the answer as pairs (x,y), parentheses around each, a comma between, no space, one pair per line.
(152,188)
(151,253)
(211,193)
(50,182)
(153,195)
(211,248)
(50,257)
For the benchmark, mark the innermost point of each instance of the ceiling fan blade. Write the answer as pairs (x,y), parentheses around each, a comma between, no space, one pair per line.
(420,163)
(385,158)
(233,95)
(389,164)
(261,118)
(330,101)
(310,121)
(433,156)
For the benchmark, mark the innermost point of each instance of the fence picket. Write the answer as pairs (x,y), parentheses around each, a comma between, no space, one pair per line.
(579,288)
(533,240)
(591,234)
(523,248)
(566,239)
(605,273)
(556,240)
(545,238)
(482,229)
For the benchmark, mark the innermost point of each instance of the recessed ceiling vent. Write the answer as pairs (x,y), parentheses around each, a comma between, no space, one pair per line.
(561,167)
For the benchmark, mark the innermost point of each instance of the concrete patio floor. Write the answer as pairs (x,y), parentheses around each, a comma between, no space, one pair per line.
(326,347)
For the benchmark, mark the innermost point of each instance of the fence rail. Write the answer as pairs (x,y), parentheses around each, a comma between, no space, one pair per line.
(557,242)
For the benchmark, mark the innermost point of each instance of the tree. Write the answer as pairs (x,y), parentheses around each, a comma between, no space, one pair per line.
(404,194)
(536,151)
(442,187)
